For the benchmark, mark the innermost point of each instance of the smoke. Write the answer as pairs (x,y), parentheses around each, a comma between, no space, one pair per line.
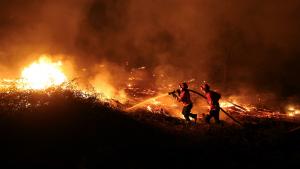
(232,44)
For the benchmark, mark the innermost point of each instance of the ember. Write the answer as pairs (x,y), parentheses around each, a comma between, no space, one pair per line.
(135,93)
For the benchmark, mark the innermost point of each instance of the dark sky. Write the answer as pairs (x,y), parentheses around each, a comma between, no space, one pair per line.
(230,43)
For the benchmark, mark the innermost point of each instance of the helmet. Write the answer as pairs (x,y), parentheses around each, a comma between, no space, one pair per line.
(205,87)
(184,85)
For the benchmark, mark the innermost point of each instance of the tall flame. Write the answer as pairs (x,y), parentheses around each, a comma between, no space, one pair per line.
(43,74)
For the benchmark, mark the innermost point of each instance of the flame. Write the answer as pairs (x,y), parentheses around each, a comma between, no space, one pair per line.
(149,108)
(292,110)
(225,104)
(43,74)
(102,84)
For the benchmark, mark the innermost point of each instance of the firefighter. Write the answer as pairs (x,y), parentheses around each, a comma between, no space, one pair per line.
(213,101)
(184,97)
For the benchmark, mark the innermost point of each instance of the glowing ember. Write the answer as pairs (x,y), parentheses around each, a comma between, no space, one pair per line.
(225,104)
(291,114)
(43,74)
(149,108)
(291,108)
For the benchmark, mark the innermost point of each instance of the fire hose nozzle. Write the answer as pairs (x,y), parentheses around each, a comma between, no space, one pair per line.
(171,93)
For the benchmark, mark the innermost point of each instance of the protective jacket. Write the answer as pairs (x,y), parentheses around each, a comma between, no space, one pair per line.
(185,97)
(213,99)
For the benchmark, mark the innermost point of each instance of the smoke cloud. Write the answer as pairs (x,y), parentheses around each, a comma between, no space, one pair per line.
(234,45)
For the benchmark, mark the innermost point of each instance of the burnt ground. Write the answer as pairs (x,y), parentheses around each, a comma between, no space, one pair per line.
(61,129)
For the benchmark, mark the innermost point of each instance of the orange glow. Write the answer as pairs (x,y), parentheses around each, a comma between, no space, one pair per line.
(42,74)
(291,108)
(225,104)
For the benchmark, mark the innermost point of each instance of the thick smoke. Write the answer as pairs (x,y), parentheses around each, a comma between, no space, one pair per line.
(235,45)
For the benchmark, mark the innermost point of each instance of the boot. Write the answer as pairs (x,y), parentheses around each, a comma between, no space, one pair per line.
(207,119)
(194,116)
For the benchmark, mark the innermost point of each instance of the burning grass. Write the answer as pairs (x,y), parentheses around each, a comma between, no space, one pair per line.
(59,125)
(43,74)
(62,127)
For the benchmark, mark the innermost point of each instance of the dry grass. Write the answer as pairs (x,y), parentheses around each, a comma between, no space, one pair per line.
(65,128)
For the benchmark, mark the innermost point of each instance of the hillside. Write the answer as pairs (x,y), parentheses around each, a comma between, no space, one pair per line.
(62,128)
